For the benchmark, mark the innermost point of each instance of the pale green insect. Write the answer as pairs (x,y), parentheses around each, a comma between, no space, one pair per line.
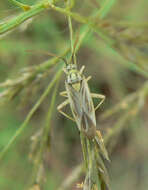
(81,104)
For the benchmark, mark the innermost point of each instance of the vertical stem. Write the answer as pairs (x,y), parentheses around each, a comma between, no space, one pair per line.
(71,32)
(84,149)
(89,163)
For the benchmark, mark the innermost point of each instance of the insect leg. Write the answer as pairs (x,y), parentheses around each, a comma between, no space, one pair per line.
(88,78)
(64,93)
(82,69)
(98,96)
(59,108)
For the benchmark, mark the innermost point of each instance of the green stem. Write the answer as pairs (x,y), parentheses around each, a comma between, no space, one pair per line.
(21,5)
(71,33)
(84,149)
(14,22)
(36,9)
(105,8)
(67,12)
(70,25)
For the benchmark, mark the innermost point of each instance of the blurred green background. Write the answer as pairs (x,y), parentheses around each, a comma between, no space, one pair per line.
(112,75)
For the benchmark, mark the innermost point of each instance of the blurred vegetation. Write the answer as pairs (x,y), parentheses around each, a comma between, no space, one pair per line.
(113,46)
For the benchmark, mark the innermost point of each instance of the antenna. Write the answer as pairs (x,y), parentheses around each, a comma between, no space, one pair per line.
(48,53)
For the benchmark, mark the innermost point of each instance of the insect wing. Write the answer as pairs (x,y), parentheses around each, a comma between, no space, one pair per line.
(87,101)
(80,111)
(87,126)
(90,113)
(75,103)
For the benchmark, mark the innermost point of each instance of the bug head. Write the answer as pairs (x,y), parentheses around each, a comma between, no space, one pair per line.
(73,75)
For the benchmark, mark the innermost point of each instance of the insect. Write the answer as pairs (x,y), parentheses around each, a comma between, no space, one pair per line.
(80,99)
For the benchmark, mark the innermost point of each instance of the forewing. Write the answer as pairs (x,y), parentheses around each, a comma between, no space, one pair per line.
(90,116)
(87,101)
(75,103)
(87,126)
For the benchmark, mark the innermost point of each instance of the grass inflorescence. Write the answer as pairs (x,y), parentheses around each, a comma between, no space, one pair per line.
(112,43)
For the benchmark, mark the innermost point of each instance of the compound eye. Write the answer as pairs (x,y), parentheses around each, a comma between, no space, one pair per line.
(73,76)
(79,78)
(68,67)
(68,80)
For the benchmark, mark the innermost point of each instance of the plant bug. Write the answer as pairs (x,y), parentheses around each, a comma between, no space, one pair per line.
(80,99)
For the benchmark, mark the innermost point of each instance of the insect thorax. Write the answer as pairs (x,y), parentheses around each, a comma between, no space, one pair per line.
(74,77)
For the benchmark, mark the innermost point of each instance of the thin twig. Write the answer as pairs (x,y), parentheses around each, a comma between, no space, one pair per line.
(44,139)
(75,174)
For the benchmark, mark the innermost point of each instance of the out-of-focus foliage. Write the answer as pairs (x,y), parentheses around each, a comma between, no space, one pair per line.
(119,70)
